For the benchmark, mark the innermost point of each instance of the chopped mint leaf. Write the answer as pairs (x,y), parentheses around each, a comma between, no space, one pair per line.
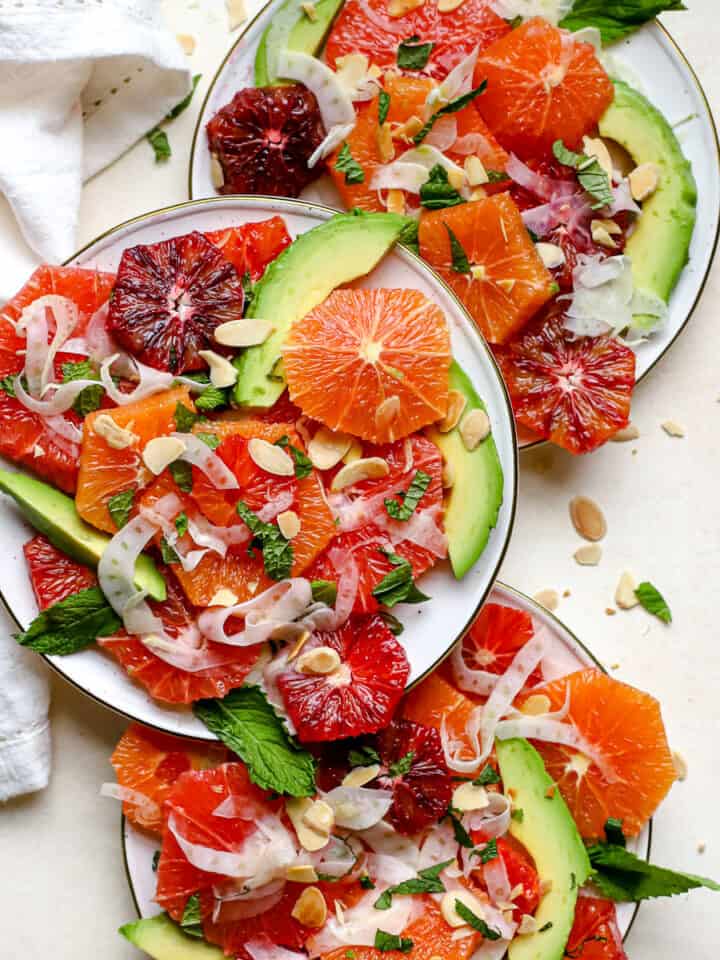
(622,876)
(461,834)
(155,861)
(89,400)
(276,550)
(184,418)
(324,591)
(366,883)
(192,918)
(383,106)
(212,398)
(181,524)
(248,289)
(168,553)
(411,498)
(488,852)
(427,881)
(391,622)
(436,193)
(453,106)
(591,176)
(398,586)
(211,439)
(78,370)
(409,236)
(533,236)
(72,624)
(120,506)
(158,140)
(460,261)
(615,19)
(487,775)
(518,815)
(350,954)
(653,601)
(348,165)
(363,757)
(614,832)
(403,765)
(248,724)
(181,472)
(497,176)
(413,55)
(391,941)
(7,385)
(186,101)
(545,927)
(303,464)
(490,933)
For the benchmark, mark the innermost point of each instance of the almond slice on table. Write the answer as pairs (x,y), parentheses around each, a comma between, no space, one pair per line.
(587,518)
(625,596)
(588,555)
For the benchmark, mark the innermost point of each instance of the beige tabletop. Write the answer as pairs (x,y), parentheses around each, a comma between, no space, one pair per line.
(62,882)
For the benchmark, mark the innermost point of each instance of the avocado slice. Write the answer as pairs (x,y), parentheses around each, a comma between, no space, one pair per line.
(162,939)
(343,248)
(660,243)
(476,495)
(548,832)
(306,35)
(53,513)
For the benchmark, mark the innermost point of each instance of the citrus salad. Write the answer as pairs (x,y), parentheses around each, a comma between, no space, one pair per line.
(492,815)
(203,523)
(553,198)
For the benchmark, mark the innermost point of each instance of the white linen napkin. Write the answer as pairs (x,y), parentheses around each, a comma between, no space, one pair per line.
(80,82)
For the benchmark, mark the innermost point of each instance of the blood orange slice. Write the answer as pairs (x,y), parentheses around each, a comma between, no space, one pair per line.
(373,363)
(436,701)
(572,390)
(624,726)
(506,282)
(252,246)
(595,934)
(88,290)
(543,86)
(495,638)
(54,575)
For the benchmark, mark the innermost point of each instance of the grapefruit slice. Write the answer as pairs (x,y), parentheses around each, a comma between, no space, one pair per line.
(543,86)
(54,576)
(625,727)
(507,281)
(88,290)
(373,363)
(595,934)
(250,247)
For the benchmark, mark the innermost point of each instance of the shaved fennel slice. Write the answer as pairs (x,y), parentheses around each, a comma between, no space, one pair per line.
(496,880)
(263,948)
(116,569)
(199,454)
(64,429)
(551,10)
(404,173)
(149,380)
(62,399)
(440,845)
(358,808)
(554,731)
(457,82)
(443,134)
(492,821)
(146,808)
(480,682)
(333,139)
(384,839)
(39,354)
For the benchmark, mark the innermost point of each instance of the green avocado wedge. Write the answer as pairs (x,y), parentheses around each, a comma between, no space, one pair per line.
(162,939)
(306,35)
(476,495)
(659,246)
(53,513)
(547,831)
(345,247)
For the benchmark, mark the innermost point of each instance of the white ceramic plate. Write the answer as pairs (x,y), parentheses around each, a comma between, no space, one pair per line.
(653,62)
(431,628)
(568,653)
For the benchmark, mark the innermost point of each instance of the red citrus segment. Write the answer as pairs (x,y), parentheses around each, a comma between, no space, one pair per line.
(543,86)
(360,349)
(595,934)
(360,696)
(177,878)
(88,290)
(150,762)
(624,726)
(54,575)
(365,26)
(434,701)
(521,873)
(510,282)
(572,390)
(496,637)
(484,145)
(106,471)
(250,247)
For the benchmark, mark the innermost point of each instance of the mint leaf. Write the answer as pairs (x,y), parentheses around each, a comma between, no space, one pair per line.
(347,164)
(363,757)
(488,852)
(89,400)
(616,18)
(487,775)
(496,176)
(7,385)
(391,941)
(391,622)
(383,106)
(398,586)
(490,933)
(248,724)
(120,507)
(460,261)
(276,550)
(186,101)
(591,176)
(72,624)
(459,103)
(614,834)
(248,289)
(192,918)
(184,418)
(436,193)
(413,55)
(77,370)
(303,464)
(413,495)
(212,398)
(158,140)
(653,601)
(181,524)
(409,236)
(403,765)
(211,439)
(461,834)
(622,876)
(366,883)
(168,553)
(181,472)
(427,881)
(324,591)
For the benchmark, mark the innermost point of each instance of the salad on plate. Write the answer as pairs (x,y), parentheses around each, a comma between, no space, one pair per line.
(550,194)
(497,812)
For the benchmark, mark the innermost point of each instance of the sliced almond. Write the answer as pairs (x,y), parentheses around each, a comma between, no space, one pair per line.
(551,254)
(38,451)
(359,776)
(474,428)
(681,768)
(366,468)
(223,598)
(396,201)
(160,452)
(588,555)
(613,228)
(588,519)
(386,148)
(308,8)
(112,433)
(216,172)
(644,181)
(407,130)
(630,432)
(601,234)
(237,13)
(450,914)
(319,816)
(447,6)
(299,644)
(354,453)
(474,170)
(456,406)
(320,661)
(672,428)
(246,332)
(469,796)
(595,147)
(478,271)
(222,372)
(477,193)
(310,839)
(289,524)
(301,873)
(398,8)
(625,596)
(536,705)
(548,599)
(528,925)
(187,42)
(507,285)
(271,458)
(456,178)
(310,908)
(387,411)
(327,448)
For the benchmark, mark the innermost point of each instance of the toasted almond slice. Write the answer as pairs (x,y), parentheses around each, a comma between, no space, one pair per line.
(625,596)
(468,796)
(308,8)
(478,271)
(222,372)
(474,170)
(398,8)
(456,178)
(548,599)
(387,411)
(450,914)
(411,126)
(320,817)
(456,406)
(477,193)
(396,201)
(223,598)
(386,148)
(237,13)
(601,234)
(630,432)
(588,519)
(216,172)
(366,468)
(289,524)
(551,254)
(247,332)
(359,776)
(299,644)
(354,453)
(187,42)
(447,6)
(644,181)
(588,555)
(301,873)
(474,428)
(320,661)
(507,285)
(613,228)
(528,925)
(160,452)
(310,908)
(681,768)
(536,705)
(310,839)
(271,458)
(595,147)
(327,448)
(115,436)
(672,428)
(38,451)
